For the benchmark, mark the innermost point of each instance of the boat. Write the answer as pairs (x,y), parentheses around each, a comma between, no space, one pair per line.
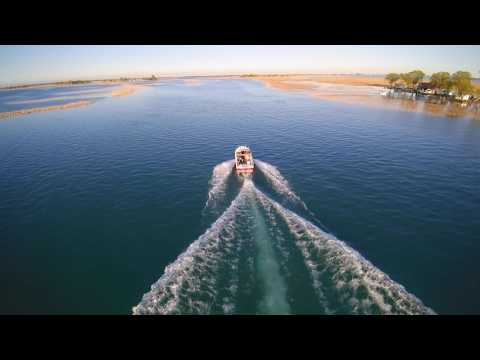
(244,164)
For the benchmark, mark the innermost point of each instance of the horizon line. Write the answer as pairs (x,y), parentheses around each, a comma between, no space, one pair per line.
(180,75)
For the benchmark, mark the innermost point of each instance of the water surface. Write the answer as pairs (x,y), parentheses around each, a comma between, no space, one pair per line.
(97,201)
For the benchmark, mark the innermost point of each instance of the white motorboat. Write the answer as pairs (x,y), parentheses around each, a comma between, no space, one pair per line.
(244,164)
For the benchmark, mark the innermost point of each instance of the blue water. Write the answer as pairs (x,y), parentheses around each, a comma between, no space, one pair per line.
(95,202)
(26,98)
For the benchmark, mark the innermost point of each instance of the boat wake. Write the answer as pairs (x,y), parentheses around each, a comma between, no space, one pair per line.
(218,186)
(278,182)
(260,257)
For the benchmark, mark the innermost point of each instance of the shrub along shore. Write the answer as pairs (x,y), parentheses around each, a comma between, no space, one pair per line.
(457,86)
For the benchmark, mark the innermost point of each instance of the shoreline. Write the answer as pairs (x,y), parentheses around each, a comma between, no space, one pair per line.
(127,81)
(355,90)
(348,89)
(127,89)
(192,82)
(73,83)
(123,90)
(290,82)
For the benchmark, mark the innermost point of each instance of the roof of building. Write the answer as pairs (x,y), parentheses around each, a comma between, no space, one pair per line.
(424,85)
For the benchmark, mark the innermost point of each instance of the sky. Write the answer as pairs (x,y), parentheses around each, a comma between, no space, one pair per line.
(36,63)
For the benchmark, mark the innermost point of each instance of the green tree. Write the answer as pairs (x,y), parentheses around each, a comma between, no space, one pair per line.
(406,78)
(476,91)
(392,78)
(416,76)
(462,82)
(441,81)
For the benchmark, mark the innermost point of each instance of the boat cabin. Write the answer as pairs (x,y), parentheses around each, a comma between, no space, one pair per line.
(243,160)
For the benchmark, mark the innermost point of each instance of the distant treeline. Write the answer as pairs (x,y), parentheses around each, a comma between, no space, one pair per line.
(459,82)
(76,82)
(69,82)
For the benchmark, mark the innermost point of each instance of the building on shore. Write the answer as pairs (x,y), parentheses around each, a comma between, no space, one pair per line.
(425,88)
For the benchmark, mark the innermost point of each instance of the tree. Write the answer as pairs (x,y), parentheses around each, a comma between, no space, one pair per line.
(392,78)
(416,76)
(477,92)
(441,81)
(406,78)
(462,82)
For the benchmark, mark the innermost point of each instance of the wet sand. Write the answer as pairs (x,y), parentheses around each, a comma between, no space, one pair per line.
(127,89)
(122,90)
(72,105)
(291,82)
(361,90)
(192,82)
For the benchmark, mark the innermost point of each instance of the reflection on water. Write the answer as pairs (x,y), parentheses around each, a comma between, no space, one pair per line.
(375,96)
(430,104)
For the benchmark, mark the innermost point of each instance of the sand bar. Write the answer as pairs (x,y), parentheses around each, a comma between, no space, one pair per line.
(192,82)
(127,89)
(123,90)
(72,105)
(281,80)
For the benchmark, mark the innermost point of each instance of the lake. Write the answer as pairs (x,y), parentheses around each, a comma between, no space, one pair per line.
(95,202)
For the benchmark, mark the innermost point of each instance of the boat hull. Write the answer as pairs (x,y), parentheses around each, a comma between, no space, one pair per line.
(244,171)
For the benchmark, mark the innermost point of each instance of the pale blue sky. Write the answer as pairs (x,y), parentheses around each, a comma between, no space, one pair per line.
(47,63)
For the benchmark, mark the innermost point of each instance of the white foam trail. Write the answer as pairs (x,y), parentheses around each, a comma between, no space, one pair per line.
(342,277)
(282,187)
(278,182)
(190,284)
(218,182)
(205,278)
